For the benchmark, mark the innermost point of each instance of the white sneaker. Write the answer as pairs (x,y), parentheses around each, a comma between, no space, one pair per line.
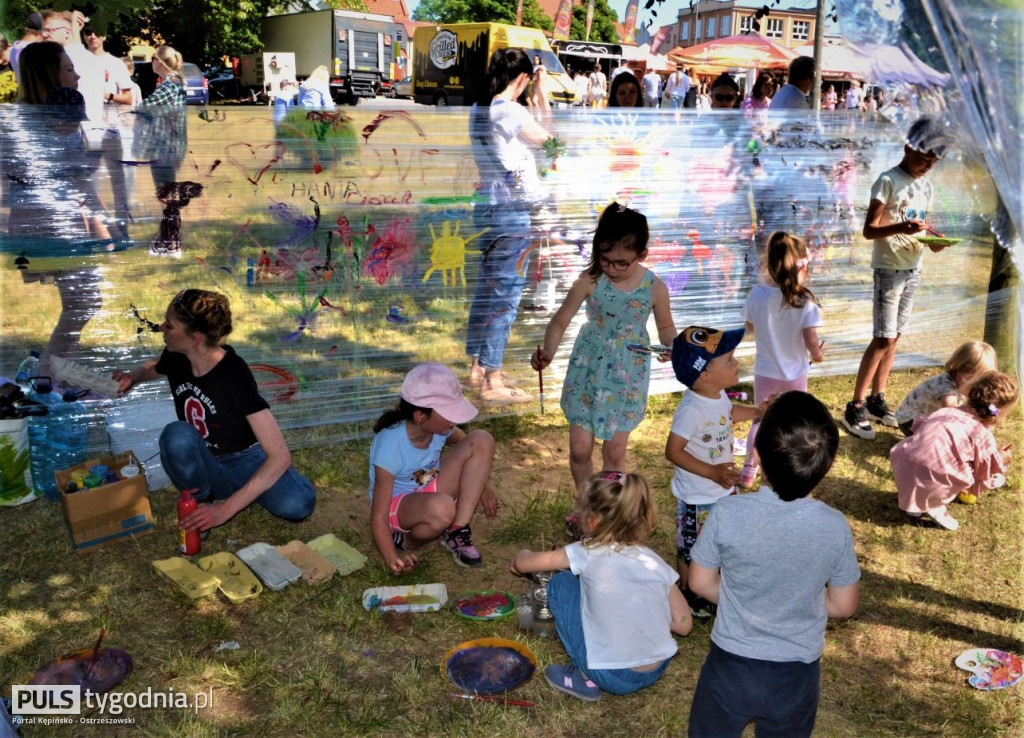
(943,518)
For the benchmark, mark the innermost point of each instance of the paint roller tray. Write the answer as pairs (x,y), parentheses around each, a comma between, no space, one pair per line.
(273,569)
(187,577)
(345,558)
(235,580)
(411,598)
(315,568)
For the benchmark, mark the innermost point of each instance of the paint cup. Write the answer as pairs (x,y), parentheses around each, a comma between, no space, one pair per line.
(129,471)
(78,475)
(92,481)
(524,612)
(100,470)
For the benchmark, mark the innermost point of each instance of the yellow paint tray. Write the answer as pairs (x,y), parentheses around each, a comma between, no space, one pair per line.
(187,577)
(315,568)
(345,558)
(237,582)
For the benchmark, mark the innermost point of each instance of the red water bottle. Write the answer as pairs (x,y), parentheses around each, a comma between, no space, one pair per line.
(189,539)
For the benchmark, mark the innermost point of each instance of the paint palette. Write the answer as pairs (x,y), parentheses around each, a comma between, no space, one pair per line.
(411,598)
(187,577)
(345,558)
(315,568)
(235,579)
(991,669)
(484,604)
(936,241)
(488,665)
(96,671)
(273,569)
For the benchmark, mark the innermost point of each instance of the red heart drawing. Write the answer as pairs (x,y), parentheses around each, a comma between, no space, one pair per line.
(255,160)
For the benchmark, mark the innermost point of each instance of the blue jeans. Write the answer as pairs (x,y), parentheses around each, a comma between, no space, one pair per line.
(190,464)
(564,601)
(499,285)
(782,696)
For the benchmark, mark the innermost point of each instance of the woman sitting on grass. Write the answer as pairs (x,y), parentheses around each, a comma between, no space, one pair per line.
(226,442)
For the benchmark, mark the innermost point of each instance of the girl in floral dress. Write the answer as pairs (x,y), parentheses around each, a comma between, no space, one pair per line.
(605,390)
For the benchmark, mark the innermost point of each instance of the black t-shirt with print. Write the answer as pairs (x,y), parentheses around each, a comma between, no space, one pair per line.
(217,403)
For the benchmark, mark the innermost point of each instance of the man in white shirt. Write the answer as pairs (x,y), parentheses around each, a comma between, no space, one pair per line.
(65,28)
(651,82)
(854,96)
(793,94)
(676,87)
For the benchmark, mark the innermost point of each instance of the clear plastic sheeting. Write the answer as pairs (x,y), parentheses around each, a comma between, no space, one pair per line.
(349,248)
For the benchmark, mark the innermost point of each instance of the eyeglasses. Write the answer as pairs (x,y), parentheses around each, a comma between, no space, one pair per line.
(51,29)
(617,263)
(724,98)
(179,301)
(90,32)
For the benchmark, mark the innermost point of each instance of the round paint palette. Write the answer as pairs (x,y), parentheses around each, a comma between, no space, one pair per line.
(991,669)
(489,665)
(484,604)
(95,671)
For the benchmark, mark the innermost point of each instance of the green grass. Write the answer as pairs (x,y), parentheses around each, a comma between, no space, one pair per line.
(312,662)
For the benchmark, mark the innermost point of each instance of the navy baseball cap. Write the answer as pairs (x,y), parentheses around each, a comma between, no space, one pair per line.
(698,345)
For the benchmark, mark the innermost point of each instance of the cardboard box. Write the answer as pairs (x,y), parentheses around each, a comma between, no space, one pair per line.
(109,513)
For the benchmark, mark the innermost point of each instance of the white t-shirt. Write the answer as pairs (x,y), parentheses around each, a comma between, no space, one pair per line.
(706,424)
(677,85)
(854,98)
(778,332)
(623,605)
(651,82)
(507,120)
(905,198)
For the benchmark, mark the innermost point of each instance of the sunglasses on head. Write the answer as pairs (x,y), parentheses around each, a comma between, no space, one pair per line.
(179,301)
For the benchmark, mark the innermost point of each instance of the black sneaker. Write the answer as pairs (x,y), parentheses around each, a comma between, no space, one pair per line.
(398,539)
(879,410)
(459,543)
(855,420)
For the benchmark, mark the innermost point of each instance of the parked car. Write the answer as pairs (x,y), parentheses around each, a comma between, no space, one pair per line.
(383,87)
(402,88)
(196,87)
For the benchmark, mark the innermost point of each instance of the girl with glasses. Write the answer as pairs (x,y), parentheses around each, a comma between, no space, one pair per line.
(605,390)
(226,442)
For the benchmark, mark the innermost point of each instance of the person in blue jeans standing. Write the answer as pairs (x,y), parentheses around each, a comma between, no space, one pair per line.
(503,134)
(226,443)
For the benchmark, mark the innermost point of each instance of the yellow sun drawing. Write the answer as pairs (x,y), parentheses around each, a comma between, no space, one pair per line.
(448,253)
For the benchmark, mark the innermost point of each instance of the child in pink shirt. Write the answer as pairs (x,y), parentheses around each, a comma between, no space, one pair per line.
(953,449)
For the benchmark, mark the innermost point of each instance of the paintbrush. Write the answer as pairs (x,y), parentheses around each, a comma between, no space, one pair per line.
(484,698)
(95,653)
(933,232)
(540,379)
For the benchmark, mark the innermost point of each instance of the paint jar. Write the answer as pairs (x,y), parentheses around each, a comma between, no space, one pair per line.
(128,471)
(543,618)
(78,475)
(524,612)
(111,477)
(100,470)
(92,481)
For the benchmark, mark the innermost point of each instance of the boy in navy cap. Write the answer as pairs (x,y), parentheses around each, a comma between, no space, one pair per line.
(700,443)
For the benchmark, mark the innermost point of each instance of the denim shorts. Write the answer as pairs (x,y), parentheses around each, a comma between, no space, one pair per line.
(893,300)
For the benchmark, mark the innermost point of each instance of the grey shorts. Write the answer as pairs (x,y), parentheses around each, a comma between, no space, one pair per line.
(893,300)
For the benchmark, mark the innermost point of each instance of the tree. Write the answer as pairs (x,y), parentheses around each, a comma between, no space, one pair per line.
(603,27)
(482,11)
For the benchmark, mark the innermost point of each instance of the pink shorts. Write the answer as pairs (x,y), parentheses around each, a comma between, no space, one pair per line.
(428,489)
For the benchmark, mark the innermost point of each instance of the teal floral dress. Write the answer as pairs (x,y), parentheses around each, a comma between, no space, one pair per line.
(605,388)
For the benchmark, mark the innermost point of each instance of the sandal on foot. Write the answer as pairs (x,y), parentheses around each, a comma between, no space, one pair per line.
(476,381)
(504,396)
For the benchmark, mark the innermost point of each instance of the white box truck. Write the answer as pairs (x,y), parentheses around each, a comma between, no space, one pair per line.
(358,49)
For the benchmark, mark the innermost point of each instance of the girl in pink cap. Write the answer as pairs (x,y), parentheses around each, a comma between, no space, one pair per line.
(417,496)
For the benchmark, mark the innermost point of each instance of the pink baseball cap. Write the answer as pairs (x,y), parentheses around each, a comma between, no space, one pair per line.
(435,386)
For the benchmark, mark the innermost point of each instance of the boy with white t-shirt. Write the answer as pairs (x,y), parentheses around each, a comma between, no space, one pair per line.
(700,442)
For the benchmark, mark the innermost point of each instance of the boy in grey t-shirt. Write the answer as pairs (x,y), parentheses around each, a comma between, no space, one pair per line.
(778,564)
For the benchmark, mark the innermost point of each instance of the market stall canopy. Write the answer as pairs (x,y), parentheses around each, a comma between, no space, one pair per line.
(899,65)
(640,57)
(743,51)
(841,61)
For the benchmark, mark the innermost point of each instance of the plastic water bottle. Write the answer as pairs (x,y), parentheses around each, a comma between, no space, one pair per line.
(40,458)
(28,367)
(67,433)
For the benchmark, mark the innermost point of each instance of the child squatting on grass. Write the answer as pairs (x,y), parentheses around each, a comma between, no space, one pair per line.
(968,362)
(700,442)
(617,606)
(779,564)
(953,449)
(415,494)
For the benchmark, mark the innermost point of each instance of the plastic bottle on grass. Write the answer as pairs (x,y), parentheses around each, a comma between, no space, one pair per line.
(68,432)
(41,462)
(190,544)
